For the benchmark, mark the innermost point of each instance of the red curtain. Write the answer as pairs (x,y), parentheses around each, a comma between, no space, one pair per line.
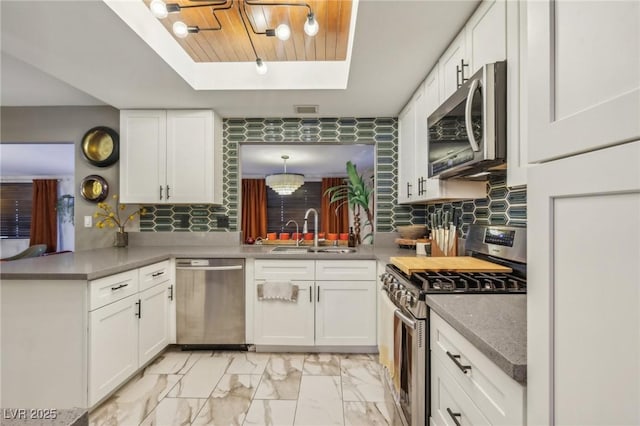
(44,217)
(331,221)
(254,208)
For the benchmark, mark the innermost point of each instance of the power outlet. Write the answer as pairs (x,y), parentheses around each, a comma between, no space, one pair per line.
(88,221)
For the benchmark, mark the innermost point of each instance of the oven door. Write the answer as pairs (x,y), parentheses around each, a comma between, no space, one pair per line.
(411,367)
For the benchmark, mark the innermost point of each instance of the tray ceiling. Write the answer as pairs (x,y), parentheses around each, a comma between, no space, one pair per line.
(231,43)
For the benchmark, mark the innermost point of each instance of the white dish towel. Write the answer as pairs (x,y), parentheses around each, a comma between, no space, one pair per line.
(386,310)
(278,290)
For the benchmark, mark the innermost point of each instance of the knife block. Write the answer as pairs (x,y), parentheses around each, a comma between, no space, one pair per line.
(436,252)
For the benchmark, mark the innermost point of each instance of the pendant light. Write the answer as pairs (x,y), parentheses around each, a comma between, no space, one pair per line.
(285,183)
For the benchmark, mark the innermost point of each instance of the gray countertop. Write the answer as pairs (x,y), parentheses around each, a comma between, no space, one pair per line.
(496,324)
(98,263)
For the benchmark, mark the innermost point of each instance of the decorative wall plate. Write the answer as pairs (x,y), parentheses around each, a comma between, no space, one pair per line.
(94,188)
(101,146)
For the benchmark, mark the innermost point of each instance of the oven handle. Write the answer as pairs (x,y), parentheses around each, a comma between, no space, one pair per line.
(467,116)
(405,319)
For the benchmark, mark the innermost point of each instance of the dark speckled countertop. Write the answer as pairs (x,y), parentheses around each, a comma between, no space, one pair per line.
(496,324)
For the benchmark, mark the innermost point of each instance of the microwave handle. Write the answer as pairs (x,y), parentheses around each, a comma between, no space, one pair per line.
(467,116)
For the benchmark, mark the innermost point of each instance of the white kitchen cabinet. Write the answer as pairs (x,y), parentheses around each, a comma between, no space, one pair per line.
(450,66)
(170,157)
(406,146)
(280,322)
(128,326)
(336,307)
(153,332)
(345,313)
(482,394)
(586,90)
(583,298)
(486,35)
(113,346)
(517,136)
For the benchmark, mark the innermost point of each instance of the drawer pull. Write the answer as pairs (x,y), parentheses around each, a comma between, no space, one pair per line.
(455,358)
(157,274)
(139,306)
(118,287)
(453,416)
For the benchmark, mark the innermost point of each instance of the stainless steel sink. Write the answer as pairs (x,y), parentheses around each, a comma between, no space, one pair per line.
(290,250)
(337,250)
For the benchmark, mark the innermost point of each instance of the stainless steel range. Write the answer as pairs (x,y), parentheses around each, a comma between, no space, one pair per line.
(503,245)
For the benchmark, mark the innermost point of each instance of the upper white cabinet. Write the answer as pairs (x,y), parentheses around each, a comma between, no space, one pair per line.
(170,157)
(586,90)
(451,67)
(483,40)
(406,146)
(517,137)
(486,35)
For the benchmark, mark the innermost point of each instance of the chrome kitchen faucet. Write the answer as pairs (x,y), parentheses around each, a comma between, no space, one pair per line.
(305,228)
(297,231)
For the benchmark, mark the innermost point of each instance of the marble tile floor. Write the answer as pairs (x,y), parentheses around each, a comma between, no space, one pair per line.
(249,388)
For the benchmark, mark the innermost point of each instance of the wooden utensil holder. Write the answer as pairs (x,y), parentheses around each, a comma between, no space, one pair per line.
(437,252)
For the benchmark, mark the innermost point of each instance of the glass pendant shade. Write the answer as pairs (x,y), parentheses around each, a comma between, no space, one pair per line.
(284,183)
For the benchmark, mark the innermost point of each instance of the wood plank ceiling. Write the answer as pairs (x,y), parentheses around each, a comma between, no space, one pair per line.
(231,43)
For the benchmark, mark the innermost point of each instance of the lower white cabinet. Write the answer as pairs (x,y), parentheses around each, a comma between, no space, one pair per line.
(128,332)
(329,311)
(467,386)
(279,322)
(113,346)
(346,313)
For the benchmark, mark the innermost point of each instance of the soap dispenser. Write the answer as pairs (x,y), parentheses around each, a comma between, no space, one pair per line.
(352,237)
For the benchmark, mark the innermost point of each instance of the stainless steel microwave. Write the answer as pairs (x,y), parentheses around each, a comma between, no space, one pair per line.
(467,133)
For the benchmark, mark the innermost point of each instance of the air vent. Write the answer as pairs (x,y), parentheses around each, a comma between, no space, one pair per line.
(306,109)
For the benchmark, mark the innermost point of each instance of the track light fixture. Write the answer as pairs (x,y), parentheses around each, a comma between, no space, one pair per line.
(161,10)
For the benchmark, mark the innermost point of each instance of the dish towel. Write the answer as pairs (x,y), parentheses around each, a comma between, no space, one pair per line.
(385,332)
(276,290)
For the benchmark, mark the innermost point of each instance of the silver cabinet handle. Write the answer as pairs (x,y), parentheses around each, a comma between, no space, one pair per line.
(171,292)
(161,192)
(168,188)
(467,116)
(455,359)
(210,268)
(405,319)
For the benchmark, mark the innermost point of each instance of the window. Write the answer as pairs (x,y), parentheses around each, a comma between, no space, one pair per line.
(282,208)
(15,209)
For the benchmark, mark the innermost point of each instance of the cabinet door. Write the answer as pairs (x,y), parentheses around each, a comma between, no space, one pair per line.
(420,161)
(278,322)
(583,297)
(586,90)
(406,147)
(486,34)
(517,137)
(448,65)
(142,156)
(154,325)
(190,156)
(113,346)
(346,313)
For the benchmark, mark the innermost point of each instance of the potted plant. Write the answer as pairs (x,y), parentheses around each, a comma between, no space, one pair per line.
(355,193)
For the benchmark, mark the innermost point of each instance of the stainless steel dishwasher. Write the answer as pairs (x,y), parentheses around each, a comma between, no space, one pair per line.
(210,303)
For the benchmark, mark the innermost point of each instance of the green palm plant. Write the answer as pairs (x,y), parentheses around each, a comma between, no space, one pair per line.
(356,194)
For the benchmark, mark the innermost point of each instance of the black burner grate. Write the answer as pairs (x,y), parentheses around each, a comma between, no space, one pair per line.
(467,282)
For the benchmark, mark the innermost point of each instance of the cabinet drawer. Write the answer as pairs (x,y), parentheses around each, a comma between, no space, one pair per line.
(285,270)
(500,398)
(112,288)
(449,401)
(152,275)
(346,270)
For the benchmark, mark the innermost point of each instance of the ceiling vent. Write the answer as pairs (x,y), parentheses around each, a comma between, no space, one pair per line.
(306,109)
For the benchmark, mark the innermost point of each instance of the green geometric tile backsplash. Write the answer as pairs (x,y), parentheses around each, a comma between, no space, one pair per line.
(502,205)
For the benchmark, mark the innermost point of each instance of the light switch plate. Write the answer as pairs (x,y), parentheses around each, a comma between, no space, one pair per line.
(88,221)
